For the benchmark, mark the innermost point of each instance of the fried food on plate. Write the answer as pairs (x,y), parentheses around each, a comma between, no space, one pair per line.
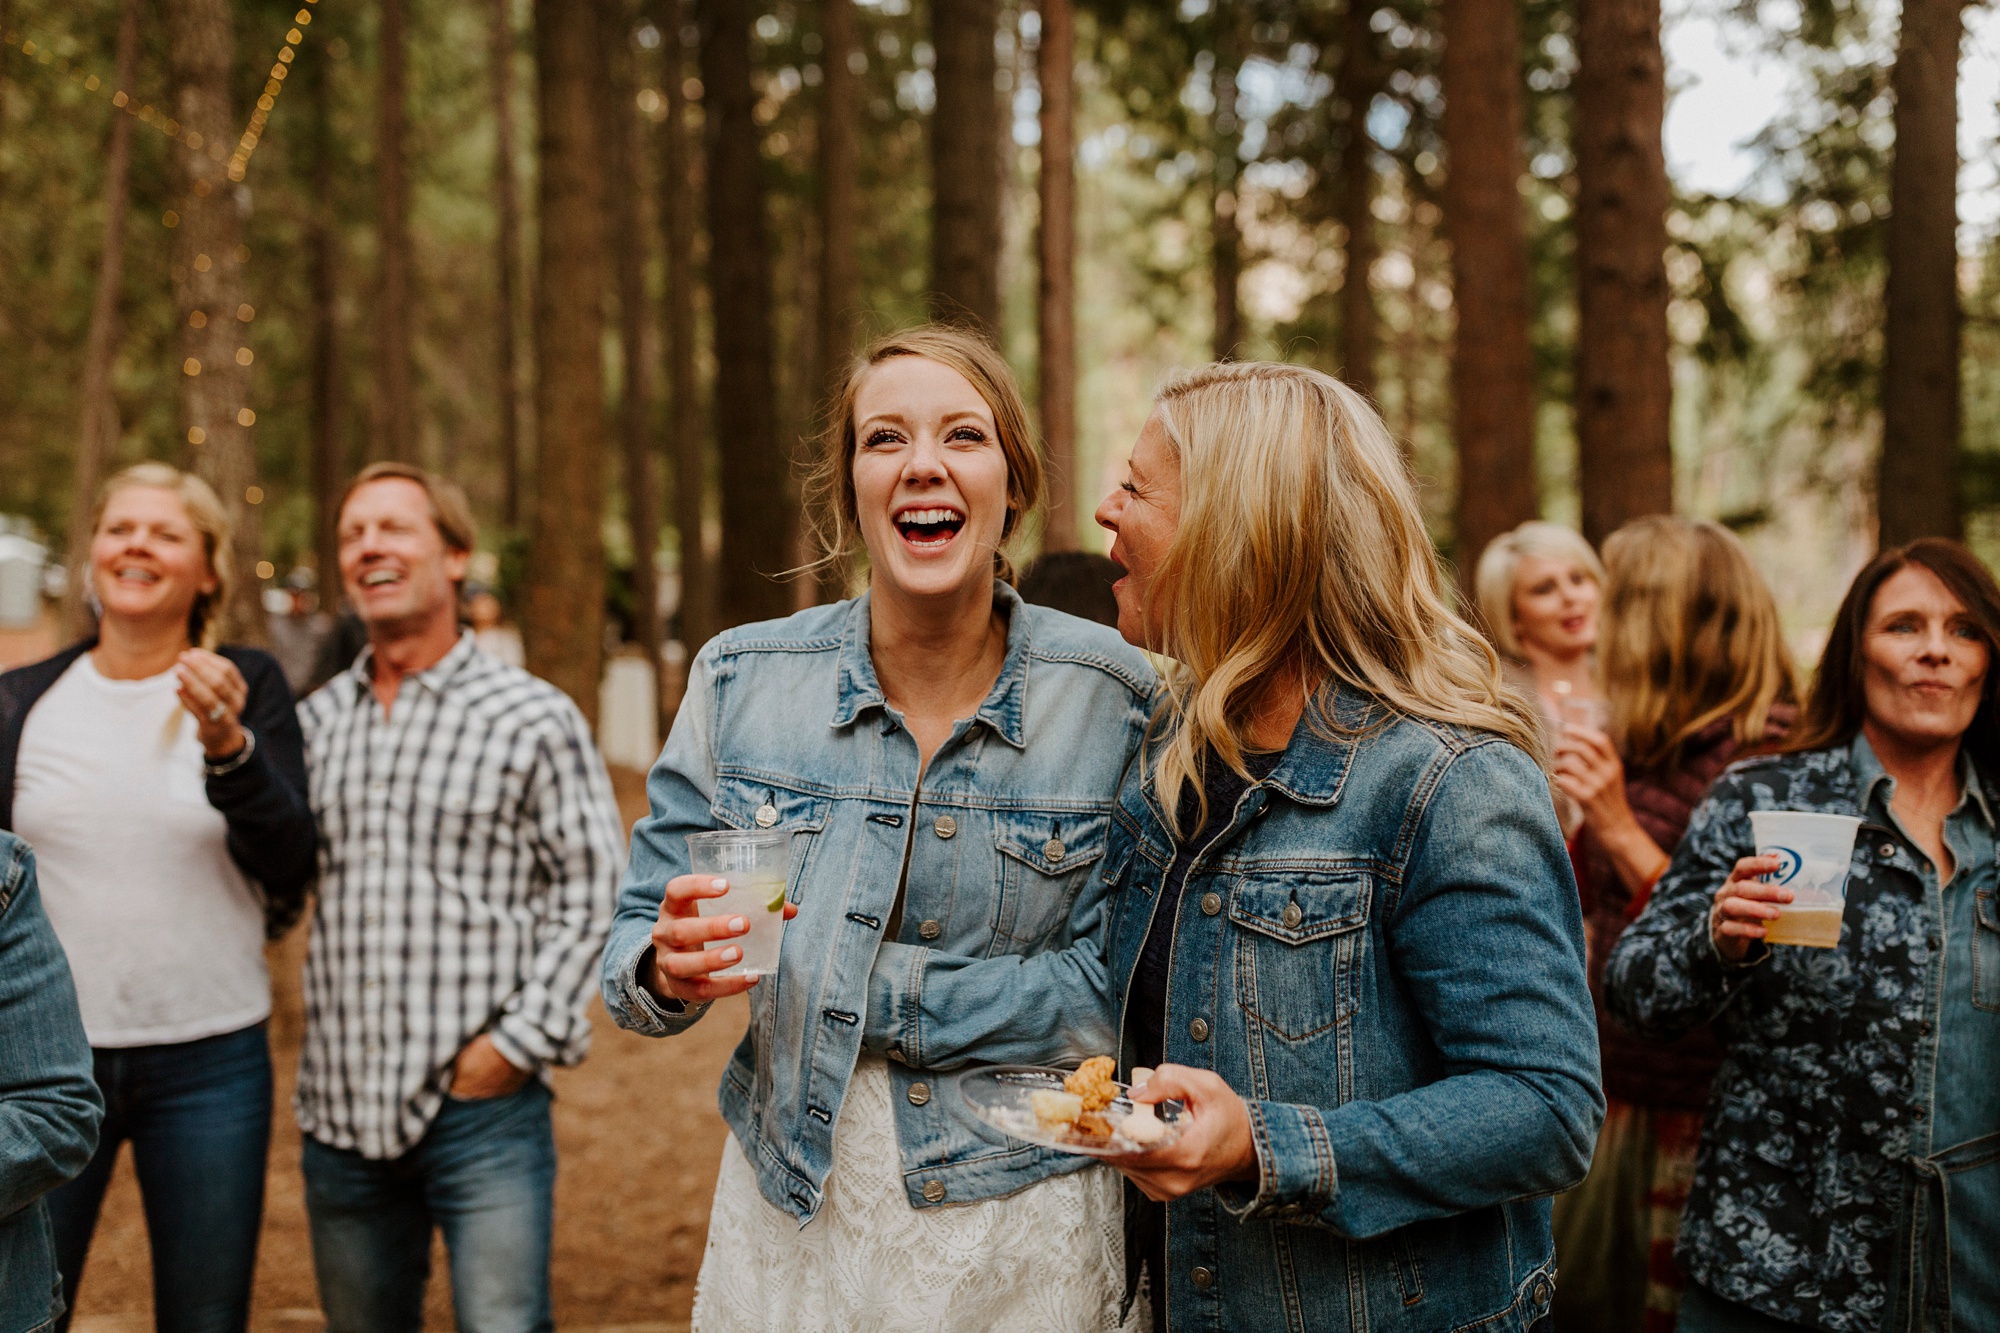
(1093,1083)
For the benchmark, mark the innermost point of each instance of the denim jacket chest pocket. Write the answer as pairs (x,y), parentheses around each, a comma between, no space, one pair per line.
(1298,942)
(1986,950)
(749,805)
(1045,859)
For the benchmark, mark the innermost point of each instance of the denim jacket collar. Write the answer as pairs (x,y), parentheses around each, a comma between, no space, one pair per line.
(1869,776)
(1005,709)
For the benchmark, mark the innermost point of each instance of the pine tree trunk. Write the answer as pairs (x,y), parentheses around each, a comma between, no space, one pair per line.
(1359,81)
(965,185)
(627,240)
(1057,305)
(677,187)
(753,465)
(208,281)
(1624,380)
(507,203)
(328,388)
(564,617)
(839,280)
(98,434)
(1225,229)
(1917,492)
(1493,373)
(395,424)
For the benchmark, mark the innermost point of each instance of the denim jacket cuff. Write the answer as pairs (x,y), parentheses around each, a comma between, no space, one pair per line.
(1296,1174)
(895,995)
(635,1008)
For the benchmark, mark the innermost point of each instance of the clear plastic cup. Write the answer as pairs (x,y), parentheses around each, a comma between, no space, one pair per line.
(1813,853)
(757,863)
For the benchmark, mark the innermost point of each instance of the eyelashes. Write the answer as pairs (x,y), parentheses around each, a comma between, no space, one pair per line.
(962,434)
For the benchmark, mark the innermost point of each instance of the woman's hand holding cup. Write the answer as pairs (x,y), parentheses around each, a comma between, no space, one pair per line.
(1745,906)
(688,946)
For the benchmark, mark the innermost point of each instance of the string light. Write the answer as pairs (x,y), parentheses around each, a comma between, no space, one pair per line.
(238,167)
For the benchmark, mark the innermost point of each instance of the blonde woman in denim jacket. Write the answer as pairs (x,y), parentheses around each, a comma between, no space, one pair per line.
(1342,926)
(945,756)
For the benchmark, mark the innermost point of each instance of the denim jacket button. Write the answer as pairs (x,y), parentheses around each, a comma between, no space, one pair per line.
(1054,849)
(933,1191)
(1540,1293)
(1887,851)
(945,826)
(766,816)
(1211,903)
(1198,1029)
(1292,916)
(1203,1278)
(920,1094)
(930,930)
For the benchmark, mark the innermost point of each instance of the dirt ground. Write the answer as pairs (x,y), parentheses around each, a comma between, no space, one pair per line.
(638,1141)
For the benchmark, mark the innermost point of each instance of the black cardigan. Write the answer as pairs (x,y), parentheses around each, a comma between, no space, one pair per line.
(271,833)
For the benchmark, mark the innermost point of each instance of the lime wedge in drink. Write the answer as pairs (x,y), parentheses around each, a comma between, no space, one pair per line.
(777,903)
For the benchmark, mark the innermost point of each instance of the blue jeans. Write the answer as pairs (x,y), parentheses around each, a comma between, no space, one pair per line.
(484,1174)
(198,1114)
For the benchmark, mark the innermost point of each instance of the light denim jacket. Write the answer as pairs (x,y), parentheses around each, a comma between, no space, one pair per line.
(1382,953)
(998,957)
(49,1104)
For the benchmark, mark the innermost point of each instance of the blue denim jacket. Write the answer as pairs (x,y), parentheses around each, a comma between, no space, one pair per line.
(49,1104)
(1849,1174)
(1383,954)
(998,957)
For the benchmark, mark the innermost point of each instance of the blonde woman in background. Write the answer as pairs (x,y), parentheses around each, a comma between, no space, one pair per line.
(1341,925)
(161,780)
(1538,589)
(1696,673)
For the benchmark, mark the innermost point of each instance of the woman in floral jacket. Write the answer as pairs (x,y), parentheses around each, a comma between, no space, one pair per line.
(1849,1174)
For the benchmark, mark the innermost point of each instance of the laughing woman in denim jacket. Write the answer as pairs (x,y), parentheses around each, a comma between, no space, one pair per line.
(1849,1173)
(50,1107)
(1342,928)
(945,756)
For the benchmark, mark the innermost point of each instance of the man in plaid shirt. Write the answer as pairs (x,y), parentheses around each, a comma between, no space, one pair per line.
(470,850)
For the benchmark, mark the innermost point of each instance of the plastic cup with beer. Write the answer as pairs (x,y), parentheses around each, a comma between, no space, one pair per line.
(757,863)
(1813,854)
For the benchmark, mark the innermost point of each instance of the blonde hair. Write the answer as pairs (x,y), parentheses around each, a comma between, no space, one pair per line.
(1301,546)
(1690,637)
(830,498)
(1500,562)
(207,516)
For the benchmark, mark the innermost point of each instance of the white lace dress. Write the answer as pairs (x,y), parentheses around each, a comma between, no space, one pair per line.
(1048,1259)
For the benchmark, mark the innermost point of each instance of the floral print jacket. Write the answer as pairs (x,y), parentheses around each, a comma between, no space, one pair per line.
(1808,1196)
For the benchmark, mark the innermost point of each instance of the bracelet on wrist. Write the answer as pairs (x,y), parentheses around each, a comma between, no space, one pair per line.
(215,768)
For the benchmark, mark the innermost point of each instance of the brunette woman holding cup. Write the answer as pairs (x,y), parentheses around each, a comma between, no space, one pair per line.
(1849,1174)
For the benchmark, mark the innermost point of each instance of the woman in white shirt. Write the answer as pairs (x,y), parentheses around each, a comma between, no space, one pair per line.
(161,782)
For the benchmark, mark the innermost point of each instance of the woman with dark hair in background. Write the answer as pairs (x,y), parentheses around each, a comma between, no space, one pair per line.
(161,781)
(1695,670)
(1849,1171)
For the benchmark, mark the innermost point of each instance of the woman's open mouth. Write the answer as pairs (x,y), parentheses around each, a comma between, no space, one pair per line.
(931,528)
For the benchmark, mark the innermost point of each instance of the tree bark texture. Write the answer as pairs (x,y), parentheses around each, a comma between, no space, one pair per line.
(965,184)
(328,379)
(753,465)
(839,275)
(1624,378)
(1493,374)
(564,618)
(1225,229)
(208,283)
(688,440)
(507,262)
(1917,491)
(1360,80)
(840,282)
(395,406)
(1056,295)
(98,433)
(626,238)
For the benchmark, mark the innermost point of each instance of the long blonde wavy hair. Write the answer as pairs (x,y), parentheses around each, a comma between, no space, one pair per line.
(1690,636)
(1301,546)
